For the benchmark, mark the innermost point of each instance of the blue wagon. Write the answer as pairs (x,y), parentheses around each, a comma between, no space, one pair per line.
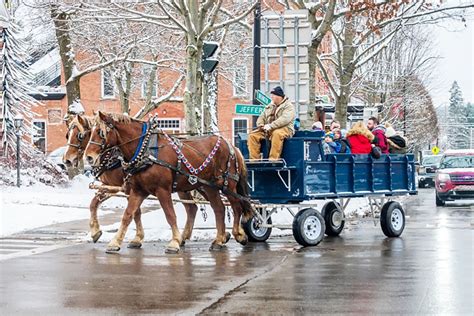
(305,173)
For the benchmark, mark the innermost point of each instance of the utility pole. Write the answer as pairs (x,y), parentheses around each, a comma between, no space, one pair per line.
(256,55)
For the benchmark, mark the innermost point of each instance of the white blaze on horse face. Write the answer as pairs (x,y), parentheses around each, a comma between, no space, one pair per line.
(94,154)
(69,153)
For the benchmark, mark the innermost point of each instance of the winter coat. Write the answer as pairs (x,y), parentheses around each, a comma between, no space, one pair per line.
(360,139)
(397,144)
(345,147)
(331,147)
(380,139)
(284,116)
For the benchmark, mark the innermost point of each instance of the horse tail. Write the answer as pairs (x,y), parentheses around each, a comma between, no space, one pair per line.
(243,187)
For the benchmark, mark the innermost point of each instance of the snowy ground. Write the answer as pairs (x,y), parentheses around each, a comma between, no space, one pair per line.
(39,205)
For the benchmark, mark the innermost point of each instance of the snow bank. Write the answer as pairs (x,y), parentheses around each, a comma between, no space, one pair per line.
(39,205)
(35,170)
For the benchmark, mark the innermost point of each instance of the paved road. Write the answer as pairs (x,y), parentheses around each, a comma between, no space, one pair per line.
(427,271)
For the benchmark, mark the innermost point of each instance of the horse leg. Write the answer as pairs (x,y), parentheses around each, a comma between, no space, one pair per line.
(237,230)
(164,196)
(191,210)
(94,221)
(137,241)
(134,201)
(219,211)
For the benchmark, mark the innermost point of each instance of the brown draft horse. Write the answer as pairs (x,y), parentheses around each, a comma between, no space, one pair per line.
(79,128)
(120,131)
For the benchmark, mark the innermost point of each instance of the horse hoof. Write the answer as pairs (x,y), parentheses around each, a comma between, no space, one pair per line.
(96,236)
(227,237)
(182,243)
(216,247)
(134,245)
(170,250)
(244,241)
(112,250)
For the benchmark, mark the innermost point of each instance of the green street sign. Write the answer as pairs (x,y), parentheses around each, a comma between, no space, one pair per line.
(249,109)
(262,97)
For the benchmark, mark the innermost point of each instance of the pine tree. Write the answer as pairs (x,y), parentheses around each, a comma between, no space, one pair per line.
(458,132)
(16,78)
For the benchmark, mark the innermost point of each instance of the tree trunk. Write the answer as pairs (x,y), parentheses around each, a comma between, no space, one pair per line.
(209,100)
(345,78)
(192,93)
(312,54)
(62,27)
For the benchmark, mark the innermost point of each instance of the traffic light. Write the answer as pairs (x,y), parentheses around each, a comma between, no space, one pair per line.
(208,63)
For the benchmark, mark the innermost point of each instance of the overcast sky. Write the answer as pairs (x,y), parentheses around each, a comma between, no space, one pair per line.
(455,46)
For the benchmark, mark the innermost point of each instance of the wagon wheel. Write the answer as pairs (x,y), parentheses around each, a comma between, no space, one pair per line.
(255,232)
(308,227)
(334,218)
(392,219)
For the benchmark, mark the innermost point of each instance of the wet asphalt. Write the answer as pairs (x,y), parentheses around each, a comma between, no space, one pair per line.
(429,270)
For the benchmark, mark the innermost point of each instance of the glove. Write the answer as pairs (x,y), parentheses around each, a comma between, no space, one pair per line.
(267,127)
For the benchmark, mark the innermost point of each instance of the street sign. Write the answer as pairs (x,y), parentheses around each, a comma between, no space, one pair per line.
(262,97)
(435,150)
(249,109)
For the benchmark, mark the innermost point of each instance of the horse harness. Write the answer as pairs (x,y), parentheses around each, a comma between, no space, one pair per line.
(146,154)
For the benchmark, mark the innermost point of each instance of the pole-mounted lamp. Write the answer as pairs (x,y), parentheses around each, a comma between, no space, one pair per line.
(18,122)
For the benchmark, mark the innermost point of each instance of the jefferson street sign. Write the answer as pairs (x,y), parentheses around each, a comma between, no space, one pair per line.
(262,97)
(249,109)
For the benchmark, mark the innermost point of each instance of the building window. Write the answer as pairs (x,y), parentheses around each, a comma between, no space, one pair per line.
(55,116)
(170,125)
(240,82)
(108,85)
(147,69)
(239,125)
(39,135)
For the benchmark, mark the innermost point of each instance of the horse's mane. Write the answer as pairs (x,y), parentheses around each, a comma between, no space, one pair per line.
(116,117)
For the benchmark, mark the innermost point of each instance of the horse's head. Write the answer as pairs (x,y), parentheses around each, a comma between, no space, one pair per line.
(102,137)
(78,135)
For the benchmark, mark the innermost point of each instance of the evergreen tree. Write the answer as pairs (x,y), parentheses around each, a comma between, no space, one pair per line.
(16,80)
(458,132)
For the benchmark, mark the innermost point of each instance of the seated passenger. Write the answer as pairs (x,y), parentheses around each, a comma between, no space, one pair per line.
(360,139)
(276,123)
(329,145)
(397,144)
(378,130)
(344,146)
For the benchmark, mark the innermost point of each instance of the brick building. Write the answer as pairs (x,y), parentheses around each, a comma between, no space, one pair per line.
(98,93)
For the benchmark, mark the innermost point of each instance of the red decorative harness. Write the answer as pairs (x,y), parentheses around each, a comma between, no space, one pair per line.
(185,161)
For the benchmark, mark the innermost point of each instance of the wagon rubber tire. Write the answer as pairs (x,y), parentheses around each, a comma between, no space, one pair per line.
(256,234)
(439,202)
(333,218)
(392,219)
(308,227)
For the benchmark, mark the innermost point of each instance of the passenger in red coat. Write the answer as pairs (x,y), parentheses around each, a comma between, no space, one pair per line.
(360,139)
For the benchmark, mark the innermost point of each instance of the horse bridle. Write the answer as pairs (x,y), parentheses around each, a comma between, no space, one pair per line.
(80,137)
(103,137)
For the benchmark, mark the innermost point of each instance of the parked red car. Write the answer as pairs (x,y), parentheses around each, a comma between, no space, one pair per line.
(455,176)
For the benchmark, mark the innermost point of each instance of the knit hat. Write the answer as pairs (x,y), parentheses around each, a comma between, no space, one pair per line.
(278,91)
(390,132)
(330,135)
